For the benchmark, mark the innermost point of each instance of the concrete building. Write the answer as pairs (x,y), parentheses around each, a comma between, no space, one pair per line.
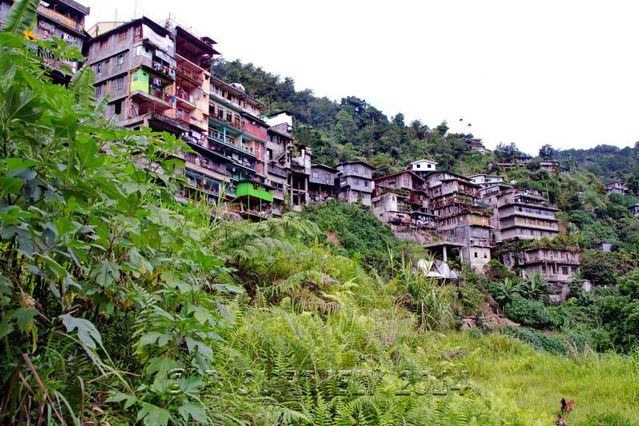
(471,232)
(154,75)
(288,166)
(485,180)
(422,167)
(355,182)
(524,215)
(557,266)
(321,183)
(451,193)
(237,134)
(464,224)
(634,210)
(616,188)
(63,19)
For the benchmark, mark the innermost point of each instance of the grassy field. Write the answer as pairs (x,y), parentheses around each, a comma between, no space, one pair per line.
(605,388)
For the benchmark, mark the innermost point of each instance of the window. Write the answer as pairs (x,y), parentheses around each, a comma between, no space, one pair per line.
(98,68)
(475,254)
(485,255)
(104,44)
(117,108)
(119,83)
(366,183)
(564,270)
(99,90)
(137,34)
(119,60)
(327,176)
(315,174)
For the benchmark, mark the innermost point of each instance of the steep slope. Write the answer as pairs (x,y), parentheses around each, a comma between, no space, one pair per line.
(608,162)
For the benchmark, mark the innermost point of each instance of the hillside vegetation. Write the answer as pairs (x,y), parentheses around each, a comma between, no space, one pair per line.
(120,305)
(609,162)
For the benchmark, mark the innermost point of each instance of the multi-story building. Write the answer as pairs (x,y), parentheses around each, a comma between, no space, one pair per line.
(616,188)
(451,193)
(463,222)
(321,183)
(63,19)
(557,266)
(485,180)
(288,167)
(471,232)
(157,76)
(236,135)
(355,182)
(401,201)
(524,215)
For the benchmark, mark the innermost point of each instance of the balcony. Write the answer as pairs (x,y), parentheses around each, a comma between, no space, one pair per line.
(552,226)
(480,242)
(552,258)
(231,145)
(224,122)
(160,99)
(61,19)
(195,78)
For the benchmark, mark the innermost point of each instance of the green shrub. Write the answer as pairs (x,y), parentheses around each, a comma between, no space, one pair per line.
(528,312)
(538,340)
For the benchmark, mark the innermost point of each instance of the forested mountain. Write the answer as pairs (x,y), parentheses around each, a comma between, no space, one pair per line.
(608,162)
(352,128)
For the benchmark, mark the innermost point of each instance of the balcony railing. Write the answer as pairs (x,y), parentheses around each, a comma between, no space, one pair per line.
(60,19)
(570,260)
(224,142)
(195,78)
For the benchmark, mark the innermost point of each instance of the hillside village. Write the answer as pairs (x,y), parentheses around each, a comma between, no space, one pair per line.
(185,240)
(248,164)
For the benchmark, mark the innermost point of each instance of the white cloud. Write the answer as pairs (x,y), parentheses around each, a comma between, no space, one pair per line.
(559,72)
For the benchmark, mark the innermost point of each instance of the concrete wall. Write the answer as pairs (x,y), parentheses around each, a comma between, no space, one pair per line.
(356,169)
(322,176)
(476,257)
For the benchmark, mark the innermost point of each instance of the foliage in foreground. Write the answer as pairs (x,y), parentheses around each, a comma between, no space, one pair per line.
(93,242)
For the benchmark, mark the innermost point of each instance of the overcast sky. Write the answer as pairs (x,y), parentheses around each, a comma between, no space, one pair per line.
(531,72)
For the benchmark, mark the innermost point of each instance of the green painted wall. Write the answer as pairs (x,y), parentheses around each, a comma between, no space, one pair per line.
(246,188)
(140,81)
